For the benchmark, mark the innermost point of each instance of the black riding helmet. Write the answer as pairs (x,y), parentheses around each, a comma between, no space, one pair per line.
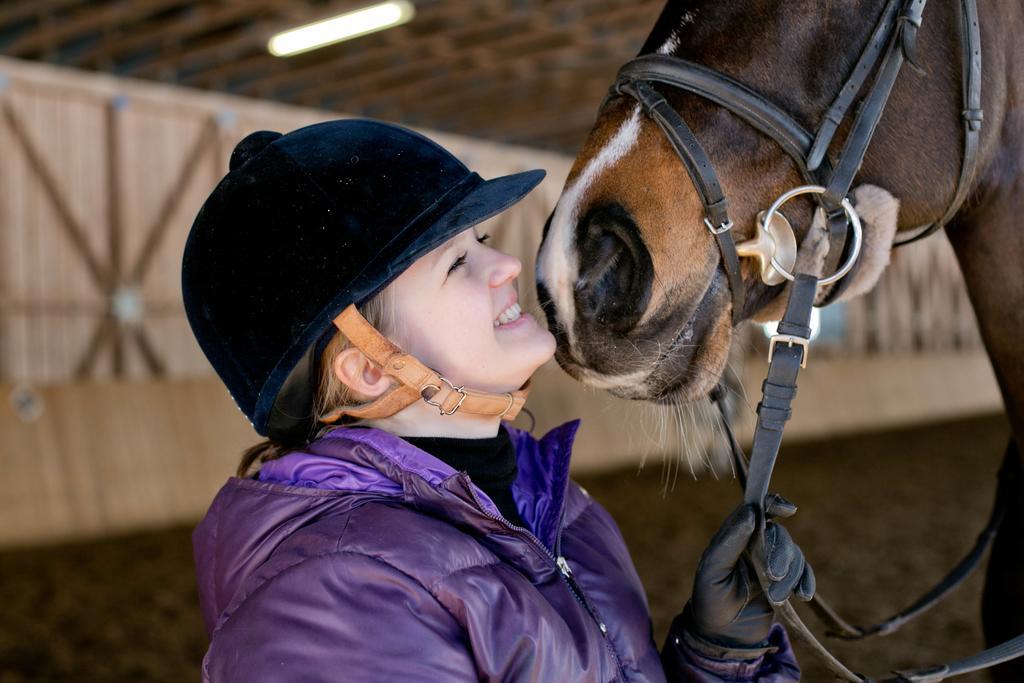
(302,226)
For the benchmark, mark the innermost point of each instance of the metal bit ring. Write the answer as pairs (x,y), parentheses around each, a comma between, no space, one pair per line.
(851,215)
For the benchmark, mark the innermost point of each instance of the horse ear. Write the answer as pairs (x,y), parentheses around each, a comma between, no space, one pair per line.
(878,211)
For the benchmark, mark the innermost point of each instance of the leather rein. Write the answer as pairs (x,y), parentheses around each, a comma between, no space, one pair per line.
(892,42)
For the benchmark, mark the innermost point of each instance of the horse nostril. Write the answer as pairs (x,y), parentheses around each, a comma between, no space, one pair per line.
(615,270)
(606,268)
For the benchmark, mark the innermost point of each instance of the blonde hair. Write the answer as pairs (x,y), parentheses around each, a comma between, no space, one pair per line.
(330,392)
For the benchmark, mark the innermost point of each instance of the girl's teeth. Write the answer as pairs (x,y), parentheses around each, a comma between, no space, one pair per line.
(510,314)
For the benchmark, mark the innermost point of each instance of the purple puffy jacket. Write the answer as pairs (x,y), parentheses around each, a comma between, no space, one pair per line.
(375,561)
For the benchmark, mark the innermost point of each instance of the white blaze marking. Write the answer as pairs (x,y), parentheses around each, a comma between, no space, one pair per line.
(558,264)
(672,42)
(670,45)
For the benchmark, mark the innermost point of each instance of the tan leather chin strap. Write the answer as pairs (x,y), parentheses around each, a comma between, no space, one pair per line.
(415,380)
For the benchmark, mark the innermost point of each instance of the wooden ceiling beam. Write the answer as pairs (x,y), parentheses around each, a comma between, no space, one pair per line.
(362,93)
(213,49)
(519,114)
(539,86)
(90,19)
(536,34)
(411,39)
(219,49)
(454,32)
(269,69)
(200,20)
(261,61)
(515,47)
(252,57)
(444,72)
(543,94)
(13,12)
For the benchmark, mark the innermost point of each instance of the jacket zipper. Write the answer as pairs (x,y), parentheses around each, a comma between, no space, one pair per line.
(560,563)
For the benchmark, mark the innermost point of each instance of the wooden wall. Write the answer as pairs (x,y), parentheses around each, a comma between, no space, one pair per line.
(102,178)
(111,456)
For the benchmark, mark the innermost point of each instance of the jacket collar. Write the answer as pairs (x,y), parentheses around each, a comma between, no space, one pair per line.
(371,460)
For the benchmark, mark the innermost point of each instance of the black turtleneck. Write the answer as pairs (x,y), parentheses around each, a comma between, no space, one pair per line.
(490,463)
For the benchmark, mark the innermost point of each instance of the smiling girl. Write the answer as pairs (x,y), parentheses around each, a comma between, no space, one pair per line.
(396,529)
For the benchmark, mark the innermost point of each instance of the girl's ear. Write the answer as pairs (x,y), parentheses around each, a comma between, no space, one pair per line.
(364,377)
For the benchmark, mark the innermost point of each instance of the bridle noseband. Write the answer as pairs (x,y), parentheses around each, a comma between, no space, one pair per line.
(892,42)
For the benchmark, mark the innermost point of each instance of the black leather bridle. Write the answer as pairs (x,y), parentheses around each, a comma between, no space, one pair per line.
(892,42)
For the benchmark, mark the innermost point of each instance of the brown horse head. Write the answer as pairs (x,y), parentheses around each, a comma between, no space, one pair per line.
(629,276)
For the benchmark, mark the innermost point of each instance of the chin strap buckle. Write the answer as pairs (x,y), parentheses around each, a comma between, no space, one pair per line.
(428,398)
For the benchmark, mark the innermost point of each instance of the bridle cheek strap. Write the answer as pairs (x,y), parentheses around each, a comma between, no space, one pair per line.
(701,172)
(415,381)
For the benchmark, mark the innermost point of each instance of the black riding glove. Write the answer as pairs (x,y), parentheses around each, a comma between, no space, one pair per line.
(728,607)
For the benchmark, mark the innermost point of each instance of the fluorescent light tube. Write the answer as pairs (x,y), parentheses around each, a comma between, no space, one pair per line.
(342,27)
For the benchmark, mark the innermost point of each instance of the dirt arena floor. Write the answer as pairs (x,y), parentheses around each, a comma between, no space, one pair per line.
(881,517)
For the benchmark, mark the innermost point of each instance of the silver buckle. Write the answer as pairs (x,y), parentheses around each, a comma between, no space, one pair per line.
(461,390)
(790,339)
(724,227)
